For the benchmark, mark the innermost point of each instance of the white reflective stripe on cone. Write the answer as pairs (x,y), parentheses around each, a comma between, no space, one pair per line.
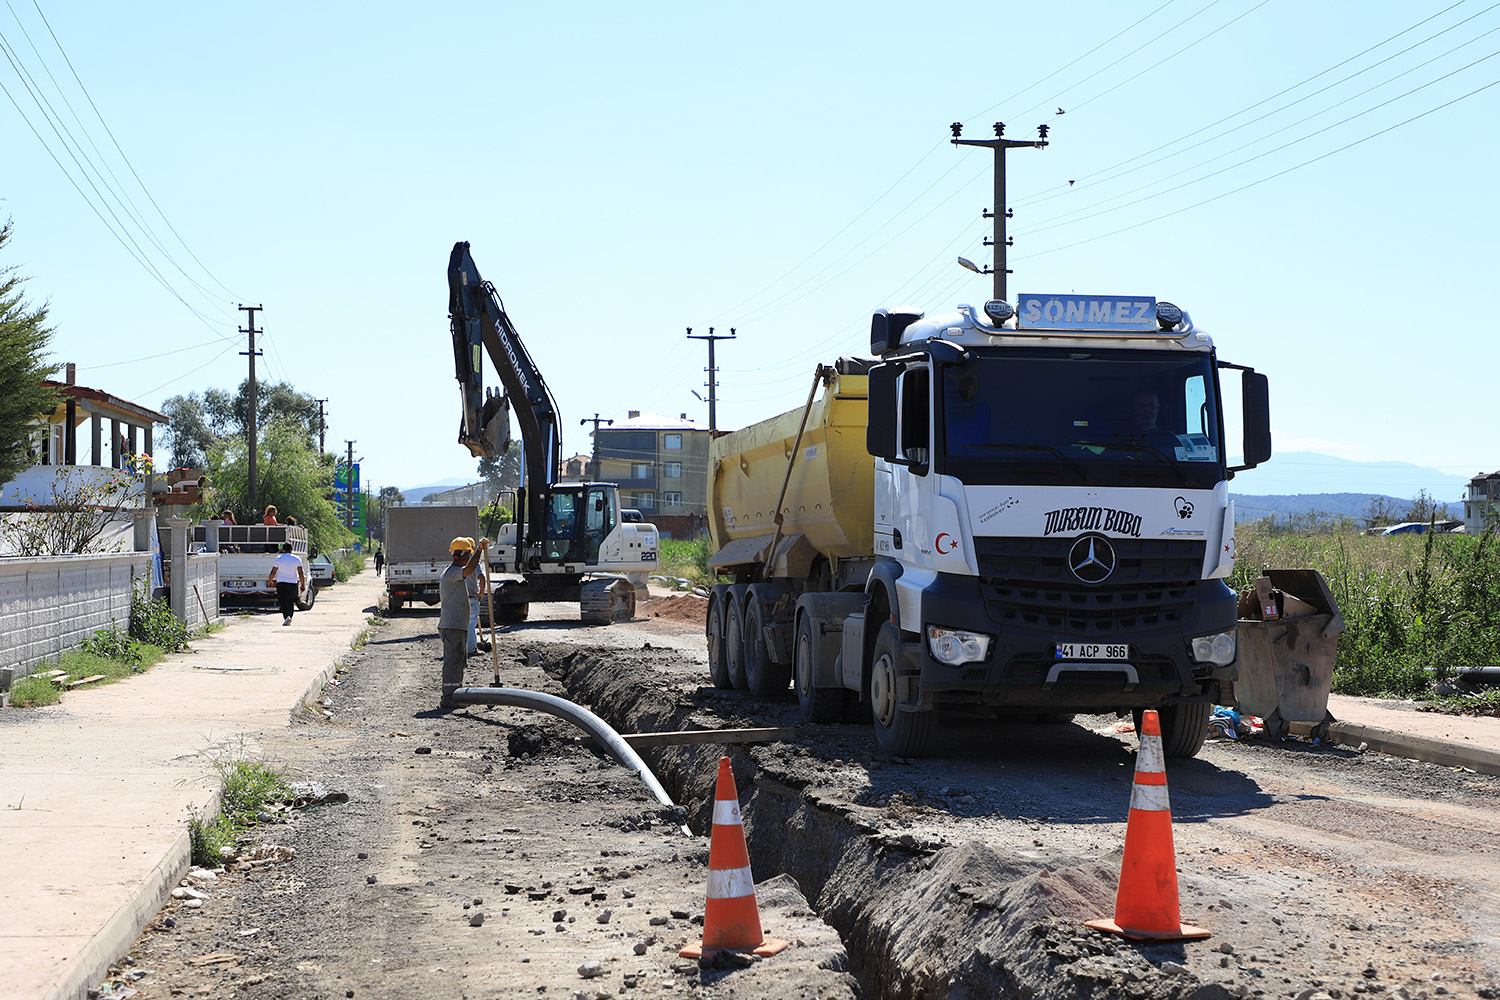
(726,813)
(1150,798)
(730,883)
(1149,757)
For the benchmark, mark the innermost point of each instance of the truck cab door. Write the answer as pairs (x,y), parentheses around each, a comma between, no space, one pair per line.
(911,480)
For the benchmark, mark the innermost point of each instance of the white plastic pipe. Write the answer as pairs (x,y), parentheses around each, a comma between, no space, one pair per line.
(576,714)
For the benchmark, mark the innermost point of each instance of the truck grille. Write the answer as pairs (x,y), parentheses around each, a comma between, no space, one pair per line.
(1026,582)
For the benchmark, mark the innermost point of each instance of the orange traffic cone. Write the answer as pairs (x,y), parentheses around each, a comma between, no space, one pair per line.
(1146,901)
(731,920)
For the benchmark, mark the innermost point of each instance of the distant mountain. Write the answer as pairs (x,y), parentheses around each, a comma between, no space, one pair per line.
(1332,505)
(1305,473)
(416,494)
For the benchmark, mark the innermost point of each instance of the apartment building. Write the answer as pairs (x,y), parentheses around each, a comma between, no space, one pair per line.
(661,464)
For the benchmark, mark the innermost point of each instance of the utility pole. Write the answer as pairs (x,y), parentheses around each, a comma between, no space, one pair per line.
(322,425)
(713,381)
(252,419)
(596,421)
(349,488)
(999,144)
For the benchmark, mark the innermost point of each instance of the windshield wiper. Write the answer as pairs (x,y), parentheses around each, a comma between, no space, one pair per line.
(1050,449)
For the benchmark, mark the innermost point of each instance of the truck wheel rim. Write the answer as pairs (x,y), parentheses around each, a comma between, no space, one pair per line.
(803,662)
(883,690)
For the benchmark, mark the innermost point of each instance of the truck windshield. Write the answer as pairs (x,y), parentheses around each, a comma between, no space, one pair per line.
(1049,416)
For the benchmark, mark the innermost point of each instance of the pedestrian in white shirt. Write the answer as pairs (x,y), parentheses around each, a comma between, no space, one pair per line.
(289,579)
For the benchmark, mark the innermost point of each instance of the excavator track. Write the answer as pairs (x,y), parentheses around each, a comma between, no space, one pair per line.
(606,601)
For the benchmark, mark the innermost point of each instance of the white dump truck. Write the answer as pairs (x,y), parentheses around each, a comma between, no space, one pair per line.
(1014,511)
(416,549)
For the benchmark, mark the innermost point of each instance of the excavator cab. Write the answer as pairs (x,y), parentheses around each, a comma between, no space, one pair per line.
(578,520)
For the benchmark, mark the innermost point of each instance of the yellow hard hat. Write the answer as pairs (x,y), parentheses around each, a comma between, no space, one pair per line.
(461,545)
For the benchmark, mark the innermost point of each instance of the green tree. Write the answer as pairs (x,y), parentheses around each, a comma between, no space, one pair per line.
(198,421)
(189,433)
(23,346)
(505,468)
(289,474)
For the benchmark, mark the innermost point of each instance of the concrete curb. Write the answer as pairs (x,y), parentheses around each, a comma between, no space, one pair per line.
(1445,752)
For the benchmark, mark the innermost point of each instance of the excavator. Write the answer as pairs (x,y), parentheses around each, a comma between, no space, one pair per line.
(564,542)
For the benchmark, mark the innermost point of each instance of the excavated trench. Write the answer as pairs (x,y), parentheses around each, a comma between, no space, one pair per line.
(921,918)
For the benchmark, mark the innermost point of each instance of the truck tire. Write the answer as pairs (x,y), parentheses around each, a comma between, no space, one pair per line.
(816,704)
(394,605)
(1183,727)
(312,595)
(764,677)
(901,734)
(713,629)
(734,643)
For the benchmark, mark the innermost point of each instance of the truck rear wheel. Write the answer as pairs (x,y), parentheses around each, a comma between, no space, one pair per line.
(901,734)
(394,605)
(734,643)
(1183,727)
(816,704)
(312,595)
(763,676)
(713,628)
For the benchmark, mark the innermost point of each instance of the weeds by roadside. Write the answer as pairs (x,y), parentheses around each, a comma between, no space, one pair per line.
(247,787)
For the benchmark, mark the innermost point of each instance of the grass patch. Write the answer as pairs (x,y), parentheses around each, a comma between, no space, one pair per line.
(121,657)
(347,563)
(687,558)
(1484,703)
(246,788)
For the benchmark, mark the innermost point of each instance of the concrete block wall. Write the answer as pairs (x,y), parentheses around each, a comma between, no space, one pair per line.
(50,604)
(202,574)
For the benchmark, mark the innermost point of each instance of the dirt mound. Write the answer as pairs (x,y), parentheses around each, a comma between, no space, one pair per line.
(679,608)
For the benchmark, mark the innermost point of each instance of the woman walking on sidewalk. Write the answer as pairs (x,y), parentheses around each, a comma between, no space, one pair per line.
(288,577)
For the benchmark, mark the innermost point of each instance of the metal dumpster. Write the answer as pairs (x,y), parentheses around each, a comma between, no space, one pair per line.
(1286,664)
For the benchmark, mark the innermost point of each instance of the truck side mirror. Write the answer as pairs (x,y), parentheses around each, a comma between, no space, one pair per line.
(880,435)
(1255,393)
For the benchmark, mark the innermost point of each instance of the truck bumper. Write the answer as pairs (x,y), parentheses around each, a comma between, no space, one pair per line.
(1023,669)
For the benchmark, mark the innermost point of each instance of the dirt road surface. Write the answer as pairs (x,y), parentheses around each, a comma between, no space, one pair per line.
(487,853)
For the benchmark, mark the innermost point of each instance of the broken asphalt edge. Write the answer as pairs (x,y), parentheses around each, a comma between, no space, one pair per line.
(90,965)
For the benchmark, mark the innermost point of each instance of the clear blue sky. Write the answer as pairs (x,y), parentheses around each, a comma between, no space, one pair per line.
(626,171)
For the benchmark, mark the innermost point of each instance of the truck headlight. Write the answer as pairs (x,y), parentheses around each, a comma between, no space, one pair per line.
(955,647)
(1215,649)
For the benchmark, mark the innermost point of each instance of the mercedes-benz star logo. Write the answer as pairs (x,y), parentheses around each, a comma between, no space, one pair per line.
(1092,559)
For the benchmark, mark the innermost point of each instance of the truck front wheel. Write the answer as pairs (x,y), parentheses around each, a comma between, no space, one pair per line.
(718,665)
(817,704)
(901,734)
(1183,727)
(764,677)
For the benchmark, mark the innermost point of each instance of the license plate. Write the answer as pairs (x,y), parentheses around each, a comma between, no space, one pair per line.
(239,585)
(1093,651)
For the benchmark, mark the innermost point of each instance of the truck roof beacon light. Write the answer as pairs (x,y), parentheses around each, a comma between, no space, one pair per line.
(999,310)
(1168,315)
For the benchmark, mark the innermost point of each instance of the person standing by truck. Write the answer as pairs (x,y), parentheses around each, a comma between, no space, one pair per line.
(477,584)
(289,579)
(453,592)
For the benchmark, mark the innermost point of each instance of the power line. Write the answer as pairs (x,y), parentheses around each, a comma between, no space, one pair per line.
(1279,173)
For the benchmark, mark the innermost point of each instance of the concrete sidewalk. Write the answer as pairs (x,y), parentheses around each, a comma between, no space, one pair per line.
(95,793)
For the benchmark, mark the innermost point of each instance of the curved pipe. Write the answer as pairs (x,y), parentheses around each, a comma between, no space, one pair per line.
(576,714)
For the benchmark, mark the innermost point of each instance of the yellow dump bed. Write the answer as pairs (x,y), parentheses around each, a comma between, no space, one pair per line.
(829,505)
